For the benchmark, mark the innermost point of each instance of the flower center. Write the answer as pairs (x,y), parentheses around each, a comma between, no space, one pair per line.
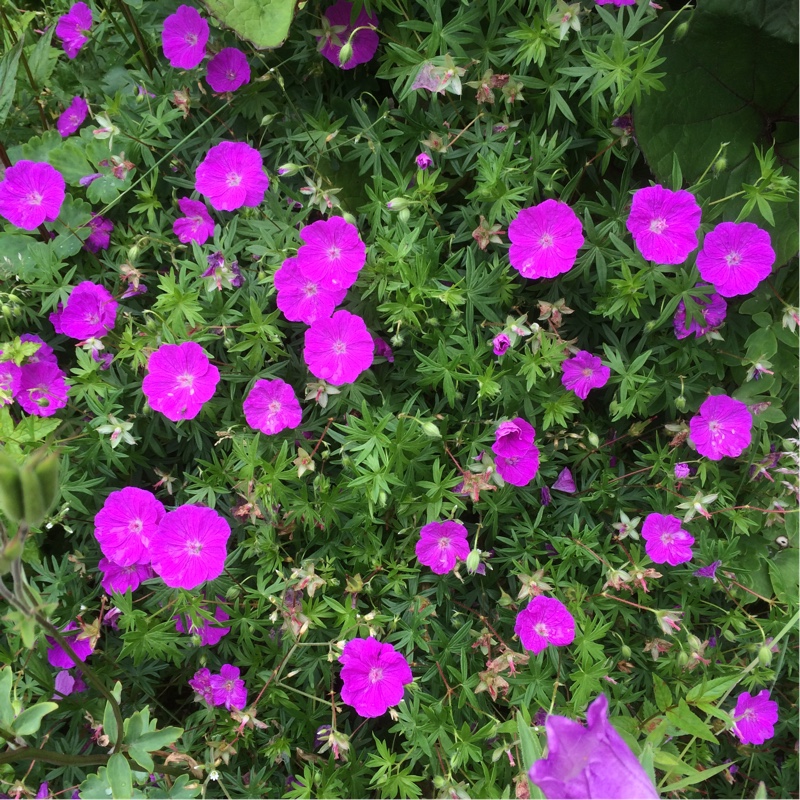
(334,253)
(541,629)
(658,225)
(191,39)
(310,289)
(194,548)
(667,539)
(135,526)
(233,179)
(733,259)
(186,381)
(444,542)
(546,240)
(274,407)
(375,674)
(586,372)
(34,198)
(339,347)
(230,75)
(228,686)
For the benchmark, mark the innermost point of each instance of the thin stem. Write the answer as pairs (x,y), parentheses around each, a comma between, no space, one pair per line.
(126,12)
(663,30)
(67,760)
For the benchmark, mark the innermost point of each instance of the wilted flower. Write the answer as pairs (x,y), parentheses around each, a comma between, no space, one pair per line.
(565,482)
(668,620)
(626,527)
(708,572)
(566,16)
(439,78)
(500,344)
(486,234)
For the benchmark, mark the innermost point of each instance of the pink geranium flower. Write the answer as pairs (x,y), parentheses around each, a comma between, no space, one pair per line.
(500,344)
(231,176)
(100,237)
(722,427)
(301,299)
(513,438)
(545,239)
(126,524)
(184,38)
(337,27)
(441,544)
(373,676)
(90,312)
(713,309)
(545,621)
(209,634)
(42,389)
(584,372)
(44,355)
(190,547)
(83,648)
(666,542)
(228,70)
(180,379)
(73,116)
(66,684)
(117,578)
(10,379)
(333,253)
(227,689)
(31,193)
(338,349)
(518,470)
(196,226)
(72,28)
(735,258)
(272,406)
(201,683)
(565,482)
(664,224)
(755,717)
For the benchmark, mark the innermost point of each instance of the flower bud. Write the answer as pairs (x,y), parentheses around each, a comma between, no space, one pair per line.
(764,655)
(288,169)
(430,429)
(680,31)
(345,54)
(594,439)
(683,658)
(473,561)
(397,204)
(626,651)
(680,403)
(404,215)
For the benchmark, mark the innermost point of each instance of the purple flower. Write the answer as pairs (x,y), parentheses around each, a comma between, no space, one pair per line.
(546,498)
(565,482)
(682,470)
(66,684)
(592,762)
(301,299)
(500,344)
(10,380)
(272,406)
(180,379)
(222,273)
(42,388)
(666,541)
(708,572)
(441,544)
(373,675)
(90,312)
(664,224)
(87,180)
(332,253)
(545,621)
(83,648)
(338,349)
(518,470)
(117,578)
(338,28)
(545,240)
(31,193)
(584,372)
(382,348)
(228,70)
(735,258)
(227,689)
(197,225)
(722,427)
(755,717)
(190,547)
(210,634)
(231,176)
(513,438)
(201,683)
(423,161)
(184,38)
(713,309)
(100,237)
(73,116)
(126,525)
(72,27)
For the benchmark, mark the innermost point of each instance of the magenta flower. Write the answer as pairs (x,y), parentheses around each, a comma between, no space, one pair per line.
(708,572)
(500,344)
(73,116)
(722,427)
(755,717)
(42,388)
(231,176)
(190,547)
(666,542)
(126,525)
(180,379)
(584,372)
(682,470)
(513,438)
(664,224)
(338,349)
(227,689)
(272,406)
(100,237)
(423,161)
(441,544)
(373,674)
(301,299)
(10,380)
(518,470)
(382,348)
(713,309)
(72,28)
(90,312)
(44,355)
(201,683)
(565,482)
(117,578)
(228,70)
(364,43)
(545,621)
(209,634)
(66,684)
(184,38)
(83,648)
(196,226)
(735,258)
(545,239)
(333,253)
(590,763)
(31,193)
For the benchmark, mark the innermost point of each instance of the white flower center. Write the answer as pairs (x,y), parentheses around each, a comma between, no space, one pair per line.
(34,198)
(274,407)
(541,629)
(194,548)
(658,225)
(230,75)
(334,253)
(444,542)
(733,259)
(186,381)
(375,674)
(135,526)
(191,39)
(233,179)
(339,347)
(546,240)
(310,289)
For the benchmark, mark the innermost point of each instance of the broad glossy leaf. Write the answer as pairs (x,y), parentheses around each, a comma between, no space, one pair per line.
(263,23)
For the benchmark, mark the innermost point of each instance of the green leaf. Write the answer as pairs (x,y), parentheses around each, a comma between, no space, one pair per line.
(30,719)
(71,162)
(662,693)
(71,227)
(687,721)
(784,575)
(119,777)
(711,690)
(155,740)
(43,58)
(141,757)
(697,777)
(6,709)
(531,751)
(110,727)
(263,23)
(9,64)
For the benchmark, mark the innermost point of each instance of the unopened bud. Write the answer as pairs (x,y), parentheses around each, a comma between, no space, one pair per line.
(720,165)
(473,561)
(764,655)
(626,651)
(680,403)
(397,204)
(289,169)
(594,439)
(404,215)
(430,429)
(683,658)
(680,31)
(345,54)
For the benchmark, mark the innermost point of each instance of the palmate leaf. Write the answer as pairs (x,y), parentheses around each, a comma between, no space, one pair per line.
(263,23)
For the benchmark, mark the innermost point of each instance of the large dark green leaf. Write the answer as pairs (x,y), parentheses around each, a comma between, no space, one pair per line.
(731,78)
(9,64)
(264,23)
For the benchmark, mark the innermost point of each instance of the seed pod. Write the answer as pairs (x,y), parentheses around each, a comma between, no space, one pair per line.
(11,501)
